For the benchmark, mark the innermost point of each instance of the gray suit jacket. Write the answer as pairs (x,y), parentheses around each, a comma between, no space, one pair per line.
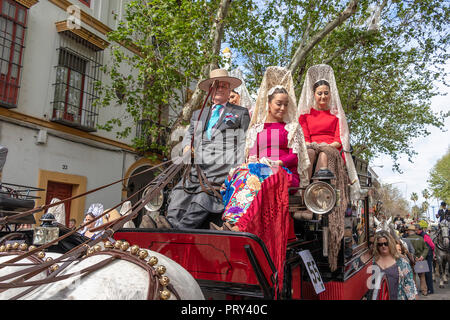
(225,149)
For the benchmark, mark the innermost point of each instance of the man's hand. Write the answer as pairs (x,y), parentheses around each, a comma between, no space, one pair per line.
(187,148)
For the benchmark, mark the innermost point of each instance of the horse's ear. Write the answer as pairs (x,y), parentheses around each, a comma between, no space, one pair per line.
(376,220)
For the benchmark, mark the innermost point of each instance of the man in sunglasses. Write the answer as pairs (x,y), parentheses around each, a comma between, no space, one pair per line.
(421,252)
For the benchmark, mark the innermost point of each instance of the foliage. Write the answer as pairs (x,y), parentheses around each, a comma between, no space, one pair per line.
(385,71)
(392,200)
(414,197)
(385,76)
(439,180)
(170,37)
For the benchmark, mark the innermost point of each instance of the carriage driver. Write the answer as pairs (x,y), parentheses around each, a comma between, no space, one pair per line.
(219,139)
(443,213)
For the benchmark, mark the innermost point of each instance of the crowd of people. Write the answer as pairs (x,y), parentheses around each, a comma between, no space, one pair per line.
(406,256)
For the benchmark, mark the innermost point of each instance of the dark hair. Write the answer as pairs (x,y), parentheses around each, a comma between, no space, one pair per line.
(277,91)
(320,83)
(443,204)
(235,91)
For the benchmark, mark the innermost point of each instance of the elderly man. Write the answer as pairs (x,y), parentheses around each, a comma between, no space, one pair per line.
(218,134)
(421,252)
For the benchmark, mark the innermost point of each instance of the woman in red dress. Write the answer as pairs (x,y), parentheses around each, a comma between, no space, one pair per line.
(321,127)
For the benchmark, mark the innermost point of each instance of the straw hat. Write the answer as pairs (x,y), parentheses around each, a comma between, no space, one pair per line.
(219,75)
(411,227)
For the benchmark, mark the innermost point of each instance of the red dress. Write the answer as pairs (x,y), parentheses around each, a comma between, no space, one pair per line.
(320,126)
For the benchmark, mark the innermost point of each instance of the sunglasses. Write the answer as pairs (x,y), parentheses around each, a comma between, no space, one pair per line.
(382,244)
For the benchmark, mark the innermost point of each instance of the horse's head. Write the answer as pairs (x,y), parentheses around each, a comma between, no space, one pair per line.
(443,227)
(383,225)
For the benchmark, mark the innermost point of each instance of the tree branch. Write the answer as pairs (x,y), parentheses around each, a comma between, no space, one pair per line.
(215,37)
(302,52)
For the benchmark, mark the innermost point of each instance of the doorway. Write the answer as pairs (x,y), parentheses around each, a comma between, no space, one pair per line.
(61,191)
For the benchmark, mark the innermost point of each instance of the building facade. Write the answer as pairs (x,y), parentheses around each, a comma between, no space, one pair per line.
(51,54)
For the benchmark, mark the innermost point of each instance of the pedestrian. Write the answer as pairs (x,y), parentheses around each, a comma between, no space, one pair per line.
(402,250)
(429,258)
(72,224)
(420,253)
(92,221)
(397,269)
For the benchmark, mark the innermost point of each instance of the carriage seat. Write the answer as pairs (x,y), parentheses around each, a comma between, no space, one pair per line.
(13,204)
(17,205)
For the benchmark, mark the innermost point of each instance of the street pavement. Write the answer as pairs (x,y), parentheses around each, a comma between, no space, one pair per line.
(439,294)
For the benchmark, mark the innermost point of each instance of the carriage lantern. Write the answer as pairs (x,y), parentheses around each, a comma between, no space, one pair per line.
(320,197)
(47,231)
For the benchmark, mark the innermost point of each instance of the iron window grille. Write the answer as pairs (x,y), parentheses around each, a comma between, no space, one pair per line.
(161,139)
(13,20)
(77,72)
(86,2)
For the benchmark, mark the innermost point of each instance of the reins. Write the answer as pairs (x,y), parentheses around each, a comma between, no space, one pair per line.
(205,184)
(155,186)
(76,252)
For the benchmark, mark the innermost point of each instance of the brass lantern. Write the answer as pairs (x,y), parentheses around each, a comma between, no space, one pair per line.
(47,231)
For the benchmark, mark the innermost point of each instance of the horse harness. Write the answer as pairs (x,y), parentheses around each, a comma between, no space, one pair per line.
(159,286)
(439,244)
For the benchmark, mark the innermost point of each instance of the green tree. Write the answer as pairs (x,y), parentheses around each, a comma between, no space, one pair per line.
(439,180)
(393,201)
(386,55)
(415,209)
(175,43)
(384,67)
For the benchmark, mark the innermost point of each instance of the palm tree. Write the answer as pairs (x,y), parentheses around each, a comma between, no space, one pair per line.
(426,194)
(414,198)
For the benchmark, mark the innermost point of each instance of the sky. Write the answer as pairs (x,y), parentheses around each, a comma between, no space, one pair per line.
(430,149)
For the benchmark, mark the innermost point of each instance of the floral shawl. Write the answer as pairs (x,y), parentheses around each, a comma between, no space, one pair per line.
(406,286)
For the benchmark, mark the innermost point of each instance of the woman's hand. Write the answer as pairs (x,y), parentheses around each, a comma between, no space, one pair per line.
(279,163)
(252,159)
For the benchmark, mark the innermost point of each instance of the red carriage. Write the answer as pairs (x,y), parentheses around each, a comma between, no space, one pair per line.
(230,264)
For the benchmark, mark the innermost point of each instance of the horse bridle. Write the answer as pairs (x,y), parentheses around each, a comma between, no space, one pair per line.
(438,243)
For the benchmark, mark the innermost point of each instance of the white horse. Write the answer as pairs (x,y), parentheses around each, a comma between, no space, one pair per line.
(442,251)
(118,280)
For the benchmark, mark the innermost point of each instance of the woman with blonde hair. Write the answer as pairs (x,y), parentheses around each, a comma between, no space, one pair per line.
(396,268)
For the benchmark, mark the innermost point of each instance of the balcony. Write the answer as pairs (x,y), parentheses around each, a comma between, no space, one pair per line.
(87,121)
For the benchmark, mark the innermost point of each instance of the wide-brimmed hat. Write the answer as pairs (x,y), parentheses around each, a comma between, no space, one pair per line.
(219,75)
(411,227)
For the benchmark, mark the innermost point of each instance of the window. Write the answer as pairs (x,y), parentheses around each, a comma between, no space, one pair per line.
(76,73)
(86,2)
(12,33)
